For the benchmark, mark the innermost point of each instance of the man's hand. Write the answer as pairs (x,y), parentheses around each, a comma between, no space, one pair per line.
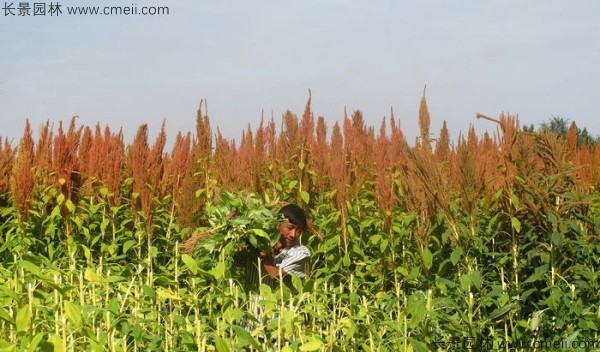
(267,263)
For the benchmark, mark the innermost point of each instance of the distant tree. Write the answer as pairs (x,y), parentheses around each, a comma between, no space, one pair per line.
(560,126)
(529,128)
(584,134)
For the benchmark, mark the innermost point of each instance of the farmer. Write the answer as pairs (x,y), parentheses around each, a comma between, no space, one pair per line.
(288,257)
(288,254)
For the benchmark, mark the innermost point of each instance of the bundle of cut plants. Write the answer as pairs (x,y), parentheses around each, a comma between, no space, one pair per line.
(238,225)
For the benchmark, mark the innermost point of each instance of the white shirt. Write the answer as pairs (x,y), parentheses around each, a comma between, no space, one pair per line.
(293,260)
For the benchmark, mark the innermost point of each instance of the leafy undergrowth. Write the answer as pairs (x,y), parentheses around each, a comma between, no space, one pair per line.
(88,276)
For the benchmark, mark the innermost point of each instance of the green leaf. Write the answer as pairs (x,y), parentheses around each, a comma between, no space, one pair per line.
(557,238)
(534,323)
(218,271)
(261,233)
(305,196)
(383,245)
(501,311)
(245,338)
(149,291)
(465,282)
(537,275)
(95,346)
(70,206)
(114,306)
(73,313)
(190,263)
(417,309)
(55,212)
(346,260)
(35,342)
(253,241)
(297,283)
(34,269)
(113,278)
(516,224)
(311,345)
(6,347)
(91,275)
(476,279)
(554,300)
(402,270)
(569,340)
(127,245)
(165,293)
(86,252)
(220,344)
(22,319)
(456,255)
(427,258)
(514,201)
(375,239)
(56,341)
(233,314)
(4,316)
(553,218)
(417,345)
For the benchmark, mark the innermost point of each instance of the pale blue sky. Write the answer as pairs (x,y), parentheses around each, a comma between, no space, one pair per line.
(535,58)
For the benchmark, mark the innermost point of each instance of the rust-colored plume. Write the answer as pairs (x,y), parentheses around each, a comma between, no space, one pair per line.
(22,179)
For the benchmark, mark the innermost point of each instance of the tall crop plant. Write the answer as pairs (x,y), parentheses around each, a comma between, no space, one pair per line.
(491,240)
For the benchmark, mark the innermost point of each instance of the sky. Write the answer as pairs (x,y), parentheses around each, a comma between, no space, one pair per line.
(537,59)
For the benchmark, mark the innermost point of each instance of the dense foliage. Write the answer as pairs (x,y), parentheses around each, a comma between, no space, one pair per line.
(486,244)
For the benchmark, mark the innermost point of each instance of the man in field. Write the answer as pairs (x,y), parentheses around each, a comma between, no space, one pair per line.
(288,255)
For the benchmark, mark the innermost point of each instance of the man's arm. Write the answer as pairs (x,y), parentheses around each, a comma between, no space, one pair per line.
(270,268)
(293,264)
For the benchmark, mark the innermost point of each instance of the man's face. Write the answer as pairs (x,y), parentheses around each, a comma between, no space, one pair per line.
(289,234)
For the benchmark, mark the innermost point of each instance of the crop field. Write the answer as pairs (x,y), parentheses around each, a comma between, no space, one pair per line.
(488,242)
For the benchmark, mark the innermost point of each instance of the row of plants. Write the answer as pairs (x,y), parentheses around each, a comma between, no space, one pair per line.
(491,243)
(87,276)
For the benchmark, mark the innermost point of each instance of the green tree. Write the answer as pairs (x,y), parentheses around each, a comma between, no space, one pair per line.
(560,126)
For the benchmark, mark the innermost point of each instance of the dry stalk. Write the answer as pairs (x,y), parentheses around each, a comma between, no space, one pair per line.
(137,156)
(584,165)
(244,162)
(424,122)
(225,159)
(22,178)
(7,156)
(259,155)
(190,244)
(596,166)
(65,159)
(425,176)
(43,157)
(319,149)
(339,177)
(384,175)
(112,169)
(442,147)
